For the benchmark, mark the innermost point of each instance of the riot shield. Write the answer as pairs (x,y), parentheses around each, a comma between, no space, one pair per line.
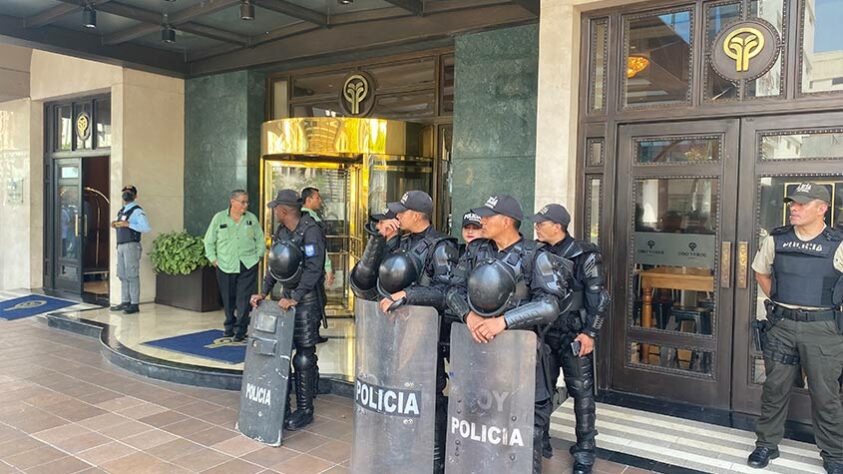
(491,403)
(395,389)
(263,393)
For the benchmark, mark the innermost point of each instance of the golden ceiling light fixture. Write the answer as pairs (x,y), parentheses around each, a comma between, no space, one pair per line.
(635,64)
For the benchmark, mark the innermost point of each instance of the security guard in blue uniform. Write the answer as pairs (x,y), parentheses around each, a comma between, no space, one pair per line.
(297,261)
(580,326)
(799,267)
(130,224)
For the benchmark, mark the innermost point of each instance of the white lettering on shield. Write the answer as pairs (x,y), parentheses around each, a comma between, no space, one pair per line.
(488,400)
(390,401)
(259,394)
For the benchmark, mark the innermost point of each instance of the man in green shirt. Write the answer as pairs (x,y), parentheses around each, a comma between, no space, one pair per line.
(312,204)
(234,243)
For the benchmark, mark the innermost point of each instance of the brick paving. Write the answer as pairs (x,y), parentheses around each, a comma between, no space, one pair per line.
(64,409)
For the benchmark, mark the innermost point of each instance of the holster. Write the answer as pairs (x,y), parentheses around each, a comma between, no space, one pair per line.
(838,318)
(759,333)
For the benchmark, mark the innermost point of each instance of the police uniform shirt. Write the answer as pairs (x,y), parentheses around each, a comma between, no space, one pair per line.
(763,262)
(313,271)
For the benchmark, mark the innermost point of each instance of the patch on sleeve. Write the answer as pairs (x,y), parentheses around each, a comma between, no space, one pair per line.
(309,250)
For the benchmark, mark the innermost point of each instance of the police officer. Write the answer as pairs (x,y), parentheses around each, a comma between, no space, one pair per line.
(415,272)
(579,325)
(297,261)
(130,224)
(471,229)
(799,267)
(503,254)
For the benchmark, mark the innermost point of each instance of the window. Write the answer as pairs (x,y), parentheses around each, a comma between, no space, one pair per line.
(822,46)
(597,64)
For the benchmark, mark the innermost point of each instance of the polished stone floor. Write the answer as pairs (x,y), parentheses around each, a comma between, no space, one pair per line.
(64,409)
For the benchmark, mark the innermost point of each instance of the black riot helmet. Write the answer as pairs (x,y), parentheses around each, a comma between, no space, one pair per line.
(492,287)
(397,272)
(285,262)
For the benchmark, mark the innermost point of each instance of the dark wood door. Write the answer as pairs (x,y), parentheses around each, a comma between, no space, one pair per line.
(777,153)
(673,291)
(68,225)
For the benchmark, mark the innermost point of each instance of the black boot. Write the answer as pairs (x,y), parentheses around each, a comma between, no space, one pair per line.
(131,309)
(306,373)
(761,457)
(547,449)
(119,307)
(583,459)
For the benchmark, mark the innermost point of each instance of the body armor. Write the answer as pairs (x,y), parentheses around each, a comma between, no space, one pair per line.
(285,262)
(126,234)
(803,271)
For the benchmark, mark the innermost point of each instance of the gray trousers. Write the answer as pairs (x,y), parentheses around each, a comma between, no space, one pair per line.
(128,271)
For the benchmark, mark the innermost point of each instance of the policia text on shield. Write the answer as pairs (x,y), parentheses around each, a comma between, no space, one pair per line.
(800,268)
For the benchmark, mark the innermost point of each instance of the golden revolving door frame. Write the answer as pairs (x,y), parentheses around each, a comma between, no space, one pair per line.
(357,145)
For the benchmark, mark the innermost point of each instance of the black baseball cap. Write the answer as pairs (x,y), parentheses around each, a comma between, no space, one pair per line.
(807,192)
(414,201)
(555,213)
(130,188)
(503,204)
(287,197)
(470,218)
(384,215)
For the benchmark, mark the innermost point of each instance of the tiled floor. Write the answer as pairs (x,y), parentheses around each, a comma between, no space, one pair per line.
(63,409)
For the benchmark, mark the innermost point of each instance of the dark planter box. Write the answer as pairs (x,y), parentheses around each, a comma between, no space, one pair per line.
(197,291)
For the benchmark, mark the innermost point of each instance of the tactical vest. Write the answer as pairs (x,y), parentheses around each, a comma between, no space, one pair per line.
(421,251)
(295,238)
(126,234)
(572,251)
(803,271)
(519,258)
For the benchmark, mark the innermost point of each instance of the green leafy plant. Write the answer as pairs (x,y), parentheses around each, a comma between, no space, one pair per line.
(178,253)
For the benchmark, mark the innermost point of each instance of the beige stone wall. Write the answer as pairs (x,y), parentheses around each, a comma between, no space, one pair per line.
(14,72)
(147,151)
(557,130)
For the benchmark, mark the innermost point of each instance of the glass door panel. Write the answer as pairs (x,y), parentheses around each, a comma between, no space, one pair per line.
(68,225)
(675,286)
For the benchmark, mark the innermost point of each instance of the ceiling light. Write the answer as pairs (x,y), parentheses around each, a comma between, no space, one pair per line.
(247,10)
(168,35)
(89,17)
(345,2)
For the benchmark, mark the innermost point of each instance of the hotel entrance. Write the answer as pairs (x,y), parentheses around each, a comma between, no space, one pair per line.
(358,165)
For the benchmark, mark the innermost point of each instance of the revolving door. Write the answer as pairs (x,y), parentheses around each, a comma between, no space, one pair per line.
(358,165)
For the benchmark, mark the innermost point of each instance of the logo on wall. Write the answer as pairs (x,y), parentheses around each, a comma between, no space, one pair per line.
(83,126)
(745,50)
(357,96)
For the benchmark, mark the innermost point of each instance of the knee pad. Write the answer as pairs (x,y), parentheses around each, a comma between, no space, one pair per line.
(305,359)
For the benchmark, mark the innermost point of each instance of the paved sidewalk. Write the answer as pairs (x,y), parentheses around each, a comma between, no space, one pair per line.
(63,409)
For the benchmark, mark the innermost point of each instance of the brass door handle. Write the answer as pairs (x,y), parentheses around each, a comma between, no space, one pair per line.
(743,264)
(726,264)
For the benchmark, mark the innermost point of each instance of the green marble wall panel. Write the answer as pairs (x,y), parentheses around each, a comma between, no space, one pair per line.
(494,145)
(223,114)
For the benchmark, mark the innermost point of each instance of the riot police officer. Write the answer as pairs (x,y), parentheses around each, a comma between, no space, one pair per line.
(415,272)
(579,326)
(504,281)
(297,261)
(799,267)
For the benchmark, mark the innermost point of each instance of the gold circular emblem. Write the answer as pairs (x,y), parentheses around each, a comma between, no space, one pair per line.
(27,305)
(357,94)
(83,126)
(745,50)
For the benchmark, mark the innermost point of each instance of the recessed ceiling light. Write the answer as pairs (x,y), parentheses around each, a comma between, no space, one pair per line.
(345,2)
(168,35)
(89,17)
(247,10)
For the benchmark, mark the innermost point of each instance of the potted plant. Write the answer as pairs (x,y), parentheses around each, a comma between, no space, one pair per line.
(184,277)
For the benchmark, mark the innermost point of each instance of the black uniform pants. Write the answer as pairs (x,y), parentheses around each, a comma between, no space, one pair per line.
(235,290)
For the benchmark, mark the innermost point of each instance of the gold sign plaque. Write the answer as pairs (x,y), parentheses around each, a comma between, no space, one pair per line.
(83,126)
(745,50)
(357,96)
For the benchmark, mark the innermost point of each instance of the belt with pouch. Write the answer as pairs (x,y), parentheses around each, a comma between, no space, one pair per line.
(806,315)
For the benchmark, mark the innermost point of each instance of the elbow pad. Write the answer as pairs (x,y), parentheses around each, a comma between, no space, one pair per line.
(534,313)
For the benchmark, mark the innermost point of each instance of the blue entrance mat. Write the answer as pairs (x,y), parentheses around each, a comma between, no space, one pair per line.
(208,344)
(31,305)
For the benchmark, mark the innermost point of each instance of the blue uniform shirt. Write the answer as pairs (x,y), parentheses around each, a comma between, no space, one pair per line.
(138,221)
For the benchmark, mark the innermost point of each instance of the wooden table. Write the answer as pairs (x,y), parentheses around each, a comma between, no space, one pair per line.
(670,278)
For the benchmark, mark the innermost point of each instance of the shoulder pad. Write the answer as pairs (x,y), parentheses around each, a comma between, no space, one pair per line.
(552,272)
(781,230)
(833,233)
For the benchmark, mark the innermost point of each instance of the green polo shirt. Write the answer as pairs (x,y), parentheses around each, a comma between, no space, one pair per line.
(230,243)
(328,267)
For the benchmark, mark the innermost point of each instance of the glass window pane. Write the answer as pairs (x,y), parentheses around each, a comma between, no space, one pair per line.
(597,66)
(687,150)
(326,109)
(592,211)
(808,145)
(769,84)
(404,106)
(280,100)
(594,147)
(717,17)
(447,86)
(419,73)
(65,128)
(658,58)
(328,83)
(103,118)
(671,357)
(822,46)
(674,255)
